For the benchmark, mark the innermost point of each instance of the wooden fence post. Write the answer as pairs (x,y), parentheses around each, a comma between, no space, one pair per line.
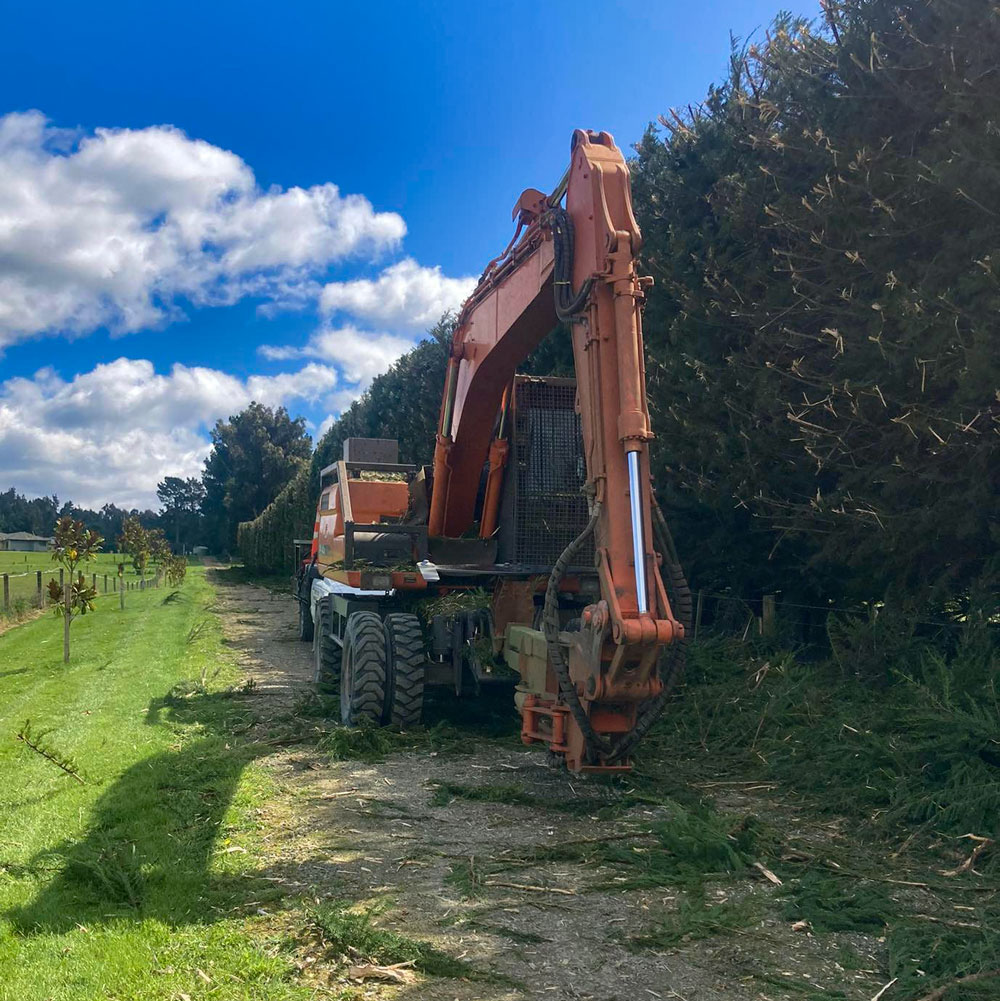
(38,586)
(105,583)
(767,614)
(697,612)
(6,592)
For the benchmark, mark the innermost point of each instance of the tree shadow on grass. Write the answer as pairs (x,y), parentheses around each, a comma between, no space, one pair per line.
(151,850)
(152,837)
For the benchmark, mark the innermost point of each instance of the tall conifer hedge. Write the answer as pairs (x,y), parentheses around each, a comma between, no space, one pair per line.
(822,338)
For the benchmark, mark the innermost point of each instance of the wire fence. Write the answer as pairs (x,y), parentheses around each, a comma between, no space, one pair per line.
(28,590)
(738,614)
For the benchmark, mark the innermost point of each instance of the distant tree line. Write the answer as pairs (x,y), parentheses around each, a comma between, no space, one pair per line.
(254,454)
(39,515)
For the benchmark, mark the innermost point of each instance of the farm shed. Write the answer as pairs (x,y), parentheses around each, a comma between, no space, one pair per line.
(23,542)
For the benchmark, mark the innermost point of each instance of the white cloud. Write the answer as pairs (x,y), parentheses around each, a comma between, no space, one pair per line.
(113,228)
(403,300)
(122,228)
(111,433)
(359,354)
(405,296)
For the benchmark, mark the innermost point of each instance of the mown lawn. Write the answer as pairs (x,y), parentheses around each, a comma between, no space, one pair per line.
(14,562)
(22,584)
(139,882)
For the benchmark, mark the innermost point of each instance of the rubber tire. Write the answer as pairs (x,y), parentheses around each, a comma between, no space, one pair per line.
(404,642)
(305,619)
(363,673)
(326,656)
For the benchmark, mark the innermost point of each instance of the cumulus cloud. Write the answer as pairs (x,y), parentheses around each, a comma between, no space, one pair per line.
(114,228)
(111,433)
(359,354)
(124,229)
(405,296)
(404,299)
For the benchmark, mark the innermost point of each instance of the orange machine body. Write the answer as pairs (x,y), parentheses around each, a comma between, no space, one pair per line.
(354,512)
(613,657)
(371,502)
(589,656)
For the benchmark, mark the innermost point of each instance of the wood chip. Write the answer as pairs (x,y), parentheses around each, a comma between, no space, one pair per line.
(884,989)
(400,973)
(768,875)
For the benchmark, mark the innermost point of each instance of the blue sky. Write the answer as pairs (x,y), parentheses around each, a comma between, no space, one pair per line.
(437,115)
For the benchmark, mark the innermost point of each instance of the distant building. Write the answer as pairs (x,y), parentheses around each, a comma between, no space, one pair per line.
(199,551)
(24,542)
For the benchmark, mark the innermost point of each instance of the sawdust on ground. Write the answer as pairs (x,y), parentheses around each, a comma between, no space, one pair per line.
(369,833)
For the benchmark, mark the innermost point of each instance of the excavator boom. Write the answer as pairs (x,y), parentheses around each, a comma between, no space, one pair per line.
(573,264)
(581,585)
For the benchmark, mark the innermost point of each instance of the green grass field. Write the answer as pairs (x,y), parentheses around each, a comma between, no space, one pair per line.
(22,569)
(20,562)
(138,882)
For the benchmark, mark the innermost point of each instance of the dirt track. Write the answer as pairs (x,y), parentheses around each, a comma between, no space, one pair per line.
(370,833)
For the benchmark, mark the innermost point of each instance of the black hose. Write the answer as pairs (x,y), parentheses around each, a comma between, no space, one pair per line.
(550,626)
(672,663)
(568,305)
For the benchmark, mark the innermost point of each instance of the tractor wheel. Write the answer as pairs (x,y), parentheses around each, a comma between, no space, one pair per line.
(363,673)
(305,620)
(327,655)
(404,641)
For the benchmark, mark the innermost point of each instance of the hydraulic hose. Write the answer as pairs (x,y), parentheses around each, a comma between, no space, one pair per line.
(550,626)
(670,667)
(568,305)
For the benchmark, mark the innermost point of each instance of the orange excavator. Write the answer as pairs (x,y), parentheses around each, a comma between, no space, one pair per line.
(532,551)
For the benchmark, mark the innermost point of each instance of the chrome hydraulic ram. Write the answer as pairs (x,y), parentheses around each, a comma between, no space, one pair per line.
(638,537)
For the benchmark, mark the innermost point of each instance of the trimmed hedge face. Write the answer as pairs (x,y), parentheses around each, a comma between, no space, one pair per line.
(265,544)
(821,338)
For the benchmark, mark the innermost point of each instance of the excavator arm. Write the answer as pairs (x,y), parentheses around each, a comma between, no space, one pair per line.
(574,264)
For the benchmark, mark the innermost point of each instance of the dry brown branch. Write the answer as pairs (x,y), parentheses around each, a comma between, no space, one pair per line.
(398,973)
(884,989)
(984,843)
(939,992)
(528,886)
